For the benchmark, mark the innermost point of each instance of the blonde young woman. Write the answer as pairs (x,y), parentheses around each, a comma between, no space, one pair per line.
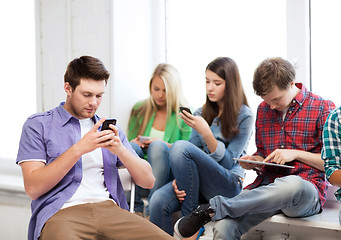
(203,167)
(157,118)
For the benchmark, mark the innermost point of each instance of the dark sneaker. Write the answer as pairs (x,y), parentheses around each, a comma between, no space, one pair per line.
(188,225)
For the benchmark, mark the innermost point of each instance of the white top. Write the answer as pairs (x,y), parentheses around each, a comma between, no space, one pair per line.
(284,112)
(156,134)
(91,188)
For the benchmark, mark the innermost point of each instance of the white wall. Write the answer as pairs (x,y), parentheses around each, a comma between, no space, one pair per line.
(67,29)
(138,46)
(128,36)
(298,39)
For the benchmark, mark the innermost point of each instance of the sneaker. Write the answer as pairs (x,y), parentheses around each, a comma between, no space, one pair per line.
(201,233)
(188,225)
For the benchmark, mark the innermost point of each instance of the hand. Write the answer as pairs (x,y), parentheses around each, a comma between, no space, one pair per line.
(95,139)
(144,144)
(148,142)
(281,156)
(114,145)
(196,122)
(138,142)
(250,166)
(180,194)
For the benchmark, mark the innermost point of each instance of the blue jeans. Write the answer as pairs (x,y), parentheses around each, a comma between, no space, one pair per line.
(194,171)
(290,195)
(158,157)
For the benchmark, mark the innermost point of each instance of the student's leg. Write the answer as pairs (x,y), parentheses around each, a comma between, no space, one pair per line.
(162,204)
(103,220)
(158,157)
(76,221)
(117,224)
(195,171)
(138,203)
(291,194)
(234,228)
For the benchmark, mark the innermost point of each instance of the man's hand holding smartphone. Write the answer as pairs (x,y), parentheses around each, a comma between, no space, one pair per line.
(106,123)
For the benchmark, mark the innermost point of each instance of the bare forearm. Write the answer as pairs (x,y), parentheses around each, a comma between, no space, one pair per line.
(210,141)
(139,169)
(40,178)
(335,178)
(311,159)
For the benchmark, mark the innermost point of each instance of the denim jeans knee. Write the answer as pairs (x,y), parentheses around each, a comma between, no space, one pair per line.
(305,196)
(158,157)
(178,149)
(226,229)
(137,149)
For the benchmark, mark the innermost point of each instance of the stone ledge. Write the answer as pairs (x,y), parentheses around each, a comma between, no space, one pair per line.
(12,191)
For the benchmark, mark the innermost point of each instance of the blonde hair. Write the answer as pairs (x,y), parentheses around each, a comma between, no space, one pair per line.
(174,97)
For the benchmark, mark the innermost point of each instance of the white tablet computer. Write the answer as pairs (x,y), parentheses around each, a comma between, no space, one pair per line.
(263,163)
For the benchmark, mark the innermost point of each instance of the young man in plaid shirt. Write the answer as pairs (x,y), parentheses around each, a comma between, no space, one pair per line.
(289,129)
(331,151)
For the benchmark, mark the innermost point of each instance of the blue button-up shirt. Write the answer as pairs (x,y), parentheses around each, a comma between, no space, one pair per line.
(46,136)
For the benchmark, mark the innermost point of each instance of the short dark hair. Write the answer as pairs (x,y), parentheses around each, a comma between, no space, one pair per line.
(85,67)
(273,72)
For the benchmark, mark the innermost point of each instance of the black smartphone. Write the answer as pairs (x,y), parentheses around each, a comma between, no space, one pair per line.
(182,109)
(105,125)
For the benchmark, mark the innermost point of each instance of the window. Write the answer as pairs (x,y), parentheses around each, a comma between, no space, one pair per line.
(326,49)
(247,31)
(18,80)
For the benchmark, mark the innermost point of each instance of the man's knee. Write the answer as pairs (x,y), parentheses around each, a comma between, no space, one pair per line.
(291,184)
(226,229)
(57,230)
(305,197)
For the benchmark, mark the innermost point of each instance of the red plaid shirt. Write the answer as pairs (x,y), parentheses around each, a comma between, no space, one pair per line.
(301,129)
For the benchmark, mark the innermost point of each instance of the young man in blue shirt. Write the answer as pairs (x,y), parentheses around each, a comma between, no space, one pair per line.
(70,167)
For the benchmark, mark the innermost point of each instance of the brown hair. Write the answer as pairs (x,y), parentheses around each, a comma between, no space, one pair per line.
(273,72)
(85,67)
(234,96)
